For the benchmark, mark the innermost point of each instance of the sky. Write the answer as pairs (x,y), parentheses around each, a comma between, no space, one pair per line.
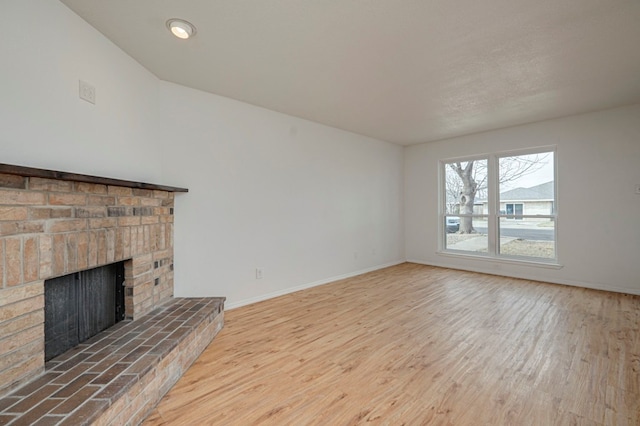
(543,175)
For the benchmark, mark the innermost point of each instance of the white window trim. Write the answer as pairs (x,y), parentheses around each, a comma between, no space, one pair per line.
(493,215)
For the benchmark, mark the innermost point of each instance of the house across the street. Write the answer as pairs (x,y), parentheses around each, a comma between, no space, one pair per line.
(523,201)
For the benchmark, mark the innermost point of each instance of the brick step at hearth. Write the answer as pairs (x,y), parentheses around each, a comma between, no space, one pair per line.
(119,375)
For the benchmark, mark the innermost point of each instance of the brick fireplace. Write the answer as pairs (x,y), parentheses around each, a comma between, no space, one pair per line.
(55,226)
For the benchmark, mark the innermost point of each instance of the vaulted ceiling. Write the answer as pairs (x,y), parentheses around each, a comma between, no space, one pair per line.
(404,71)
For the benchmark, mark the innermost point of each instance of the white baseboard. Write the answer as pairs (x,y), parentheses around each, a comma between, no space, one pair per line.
(590,285)
(573,283)
(288,290)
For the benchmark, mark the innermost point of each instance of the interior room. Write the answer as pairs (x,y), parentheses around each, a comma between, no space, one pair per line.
(286,167)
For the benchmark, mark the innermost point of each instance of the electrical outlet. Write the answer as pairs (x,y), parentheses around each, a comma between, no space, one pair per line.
(258,273)
(87,92)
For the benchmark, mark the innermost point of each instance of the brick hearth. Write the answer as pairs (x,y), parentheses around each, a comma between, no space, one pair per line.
(119,375)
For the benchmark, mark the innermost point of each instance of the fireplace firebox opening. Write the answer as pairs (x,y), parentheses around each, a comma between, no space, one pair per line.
(80,305)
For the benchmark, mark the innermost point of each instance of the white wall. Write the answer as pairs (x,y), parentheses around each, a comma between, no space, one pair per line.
(45,49)
(306,202)
(598,167)
(266,189)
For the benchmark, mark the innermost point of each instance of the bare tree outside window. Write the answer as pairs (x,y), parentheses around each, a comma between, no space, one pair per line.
(469,181)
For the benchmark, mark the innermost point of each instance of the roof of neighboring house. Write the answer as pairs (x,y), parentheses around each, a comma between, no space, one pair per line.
(544,191)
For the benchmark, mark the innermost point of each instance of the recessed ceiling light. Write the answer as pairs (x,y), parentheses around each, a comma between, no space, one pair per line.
(181,28)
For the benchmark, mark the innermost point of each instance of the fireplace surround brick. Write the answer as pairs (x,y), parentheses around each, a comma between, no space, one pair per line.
(53,227)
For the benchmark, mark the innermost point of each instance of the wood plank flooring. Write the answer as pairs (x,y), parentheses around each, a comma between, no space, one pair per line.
(416,345)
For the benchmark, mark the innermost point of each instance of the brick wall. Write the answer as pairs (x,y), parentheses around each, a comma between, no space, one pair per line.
(50,228)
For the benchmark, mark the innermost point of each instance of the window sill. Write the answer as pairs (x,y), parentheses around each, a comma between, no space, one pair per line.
(551,264)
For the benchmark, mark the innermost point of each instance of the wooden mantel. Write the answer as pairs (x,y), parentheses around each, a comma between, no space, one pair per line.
(75,177)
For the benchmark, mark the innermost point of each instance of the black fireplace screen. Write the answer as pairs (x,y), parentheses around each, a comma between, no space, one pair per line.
(80,305)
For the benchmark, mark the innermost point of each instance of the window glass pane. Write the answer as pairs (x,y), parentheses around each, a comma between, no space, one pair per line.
(530,237)
(474,242)
(466,191)
(526,184)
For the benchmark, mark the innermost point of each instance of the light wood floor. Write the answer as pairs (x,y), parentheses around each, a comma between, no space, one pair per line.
(418,345)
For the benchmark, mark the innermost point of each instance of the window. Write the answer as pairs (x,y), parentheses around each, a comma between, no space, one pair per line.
(500,205)
(514,209)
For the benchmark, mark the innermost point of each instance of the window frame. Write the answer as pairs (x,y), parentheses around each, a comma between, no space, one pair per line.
(494,214)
